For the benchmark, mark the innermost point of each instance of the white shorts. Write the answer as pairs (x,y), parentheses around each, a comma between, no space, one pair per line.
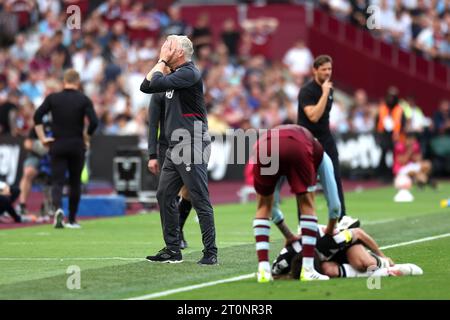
(412,167)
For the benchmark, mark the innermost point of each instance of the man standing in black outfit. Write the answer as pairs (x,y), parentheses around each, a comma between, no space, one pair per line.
(185,113)
(68,143)
(314,105)
(156,114)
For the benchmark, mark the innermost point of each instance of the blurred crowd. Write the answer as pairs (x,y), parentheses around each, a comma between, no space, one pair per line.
(119,42)
(419,25)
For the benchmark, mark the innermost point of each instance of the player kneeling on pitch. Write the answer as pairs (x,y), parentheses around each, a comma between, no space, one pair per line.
(342,255)
(291,151)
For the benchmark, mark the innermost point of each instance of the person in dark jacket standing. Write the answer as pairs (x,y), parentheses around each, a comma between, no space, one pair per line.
(314,105)
(68,143)
(156,114)
(186,129)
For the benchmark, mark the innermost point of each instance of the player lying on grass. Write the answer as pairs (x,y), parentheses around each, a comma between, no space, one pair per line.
(291,151)
(344,255)
(325,173)
(330,191)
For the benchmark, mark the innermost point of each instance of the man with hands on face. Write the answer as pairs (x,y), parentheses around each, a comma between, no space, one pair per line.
(185,110)
(157,148)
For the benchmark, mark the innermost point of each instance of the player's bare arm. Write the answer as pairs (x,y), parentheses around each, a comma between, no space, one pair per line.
(369,242)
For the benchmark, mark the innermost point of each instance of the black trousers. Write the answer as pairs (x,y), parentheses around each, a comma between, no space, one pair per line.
(195,178)
(329,146)
(6,203)
(67,155)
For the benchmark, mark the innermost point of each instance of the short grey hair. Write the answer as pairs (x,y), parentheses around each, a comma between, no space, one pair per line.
(185,44)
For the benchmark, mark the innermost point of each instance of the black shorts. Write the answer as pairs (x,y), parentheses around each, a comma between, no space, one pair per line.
(341,256)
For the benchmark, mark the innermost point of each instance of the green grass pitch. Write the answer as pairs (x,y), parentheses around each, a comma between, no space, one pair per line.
(110,252)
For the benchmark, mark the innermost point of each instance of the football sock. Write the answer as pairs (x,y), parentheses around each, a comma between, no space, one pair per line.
(308,225)
(261,230)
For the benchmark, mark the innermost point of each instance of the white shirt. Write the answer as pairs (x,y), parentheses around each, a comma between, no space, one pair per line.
(299,60)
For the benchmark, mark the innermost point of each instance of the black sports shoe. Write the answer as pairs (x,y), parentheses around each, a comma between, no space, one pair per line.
(208,260)
(166,256)
(183,242)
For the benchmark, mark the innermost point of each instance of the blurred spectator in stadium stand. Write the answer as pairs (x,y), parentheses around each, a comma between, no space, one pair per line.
(114,100)
(299,59)
(441,118)
(408,161)
(61,50)
(201,33)
(401,21)
(217,123)
(35,151)
(444,49)
(116,32)
(25,10)
(107,126)
(339,117)
(24,120)
(3,85)
(48,5)
(361,117)
(33,87)
(291,85)
(18,50)
(8,114)
(416,121)
(111,11)
(440,143)
(399,32)
(176,25)
(133,75)
(341,8)
(390,124)
(419,19)
(386,18)
(42,58)
(359,13)
(231,37)
(260,32)
(50,24)
(431,39)
(234,107)
(9,25)
(88,61)
(141,22)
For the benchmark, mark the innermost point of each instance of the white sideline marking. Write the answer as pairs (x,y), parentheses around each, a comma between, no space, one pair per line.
(370,223)
(193,287)
(247,276)
(401,244)
(70,258)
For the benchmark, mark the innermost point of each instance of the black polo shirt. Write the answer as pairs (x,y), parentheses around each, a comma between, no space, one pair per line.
(309,95)
(68,109)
